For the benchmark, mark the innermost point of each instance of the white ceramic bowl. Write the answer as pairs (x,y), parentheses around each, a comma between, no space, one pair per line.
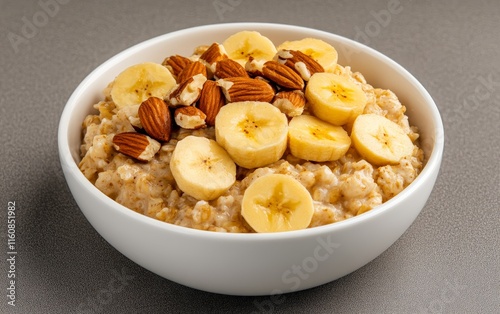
(252,264)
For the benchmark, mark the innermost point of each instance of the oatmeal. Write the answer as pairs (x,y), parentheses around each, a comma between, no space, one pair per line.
(354,178)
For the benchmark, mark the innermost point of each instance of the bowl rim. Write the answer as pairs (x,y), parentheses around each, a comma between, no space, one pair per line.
(70,166)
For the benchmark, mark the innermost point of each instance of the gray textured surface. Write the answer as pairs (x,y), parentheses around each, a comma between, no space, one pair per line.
(448,261)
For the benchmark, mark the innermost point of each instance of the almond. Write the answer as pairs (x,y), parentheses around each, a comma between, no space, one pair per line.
(301,63)
(229,68)
(188,92)
(136,145)
(282,75)
(291,103)
(190,118)
(246,89)
(176,64)
(191,70)
(155,118)
(211,100)
(214,53)
(272,84)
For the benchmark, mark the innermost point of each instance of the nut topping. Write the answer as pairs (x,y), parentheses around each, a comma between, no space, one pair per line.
(211,100)
(188,92)
(282,75)
(301,63)
(136,145)
(254,67)
(191,70)
(229,68)
(176,64)
(190,118)
(291,103)
(246,89)
(213,54)
(155,118)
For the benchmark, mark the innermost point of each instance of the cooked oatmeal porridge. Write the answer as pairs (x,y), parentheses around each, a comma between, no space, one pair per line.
(339,189)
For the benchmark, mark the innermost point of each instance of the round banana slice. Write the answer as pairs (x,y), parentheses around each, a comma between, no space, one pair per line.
(254,133)
(276,203)
(334,98)
(379,140)
(141,81)
(201,168)
(321,51)
(312,139)
(245,45)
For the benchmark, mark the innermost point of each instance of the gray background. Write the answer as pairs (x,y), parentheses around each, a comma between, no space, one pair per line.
(447,262)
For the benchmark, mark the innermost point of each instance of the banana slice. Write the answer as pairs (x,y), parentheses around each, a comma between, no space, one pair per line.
(253,133)
(202,168)
(321,51)
(245,45)
(276,203)
(380,140)
(334,98)
(312,139)
(141,81)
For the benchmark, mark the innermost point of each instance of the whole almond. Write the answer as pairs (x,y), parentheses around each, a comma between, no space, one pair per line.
(191,70)
(282,75)
(272,84)
(155,118)
(136,145)
(190,117)
(229,68)
(246,89)
(211,100)
(301,63)
(176,64)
